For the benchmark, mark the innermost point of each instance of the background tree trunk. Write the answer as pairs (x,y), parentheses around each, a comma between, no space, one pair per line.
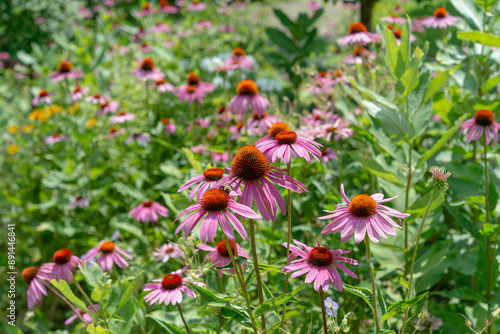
(366,12)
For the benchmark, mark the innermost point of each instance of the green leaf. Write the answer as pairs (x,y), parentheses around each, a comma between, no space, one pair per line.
(131,228)
(401,305)
(491,83)
(479,37)
(119,295)
(417,209)
(376,169)
(66,291)
(208,295)
(465,223)
(393,122)
(277,302)
(469,10)
(166,321)
(93,275)
(440,143)
(436,84)
(236,313)
(284,19)
(91,329)
(193,161)
(364,293)
(282,40)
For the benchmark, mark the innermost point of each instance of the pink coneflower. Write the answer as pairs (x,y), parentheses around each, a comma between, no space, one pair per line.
(236,130)
(213,208)
(80,202)
(219,255)
(167,252)
(114,132)
(238,59)
(146,10)
(33,276)
(393,19)
(320,264)
(55,138)
(108,106)
(361,215)
(199,149)
(313,6)
(169,127)
(339,129)
(318,117)
(144,47)
(147,71)
(251,170)
(203,182)
(226,28)
(483,122)
(273,131)
(122,117)
(139,137)
(159,27)
(203,24)
(441,19)
(328,154)
(196,6)
(359,56)
(165,7)
(417,25)
(162,86)
(110,253)
(148,211)
(321,86)
(357,35)
(190,93)
(247,94)
(337,77)
(441,175)
(65,71)
(96,99)
(193,79)
(78,93)
(397,33)
(220,157)
(64,265)
(168,289)
(260,124)
(85,315)
(287,144)
(198,123)
(429,322)
(43,96)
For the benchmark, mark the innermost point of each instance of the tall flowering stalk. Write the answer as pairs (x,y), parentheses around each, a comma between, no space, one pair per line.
(438,182)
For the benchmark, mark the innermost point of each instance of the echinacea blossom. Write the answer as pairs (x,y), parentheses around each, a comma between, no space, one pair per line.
(43,96)
(359,56)
(357,34)
(110,254)
(122,117)
(319,263)
(441,175)
(147,71)
(260,124)
(165,7)
(331,307)
(220,157)
(146,10)
(114,132)
(393,19)
(139,137)
(36,289)
(169,127)
(313,6)
(144,47)
(80,202)
(339,130)
(78,93)
(239,59)
(108,106)
(318,117)
(251,170)
(203,182)
(397,34)
(441,19)
(328,154)
(212,210)
(167,252)
(85,315)
(203,24)
(65,71)
(417,26)
(193,79)
(168,289)
(198,123)
(196,6)
(191,93)
(247,95)
(273,131)
(482,123)
(159,27)
(199,149)
(96,99)
(236,130)
(163,86)
(55,138)
(64,265)
(287,144)
(361,215)
(148,211)
(219,255)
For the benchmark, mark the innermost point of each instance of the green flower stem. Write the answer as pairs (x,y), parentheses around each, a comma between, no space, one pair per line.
(415,249)
(182,317)
(289,236)
(75,311)
(257,272)
(372,276)
(323,310)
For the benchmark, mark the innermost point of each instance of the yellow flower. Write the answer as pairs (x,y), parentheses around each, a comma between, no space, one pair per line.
(91,122)
(12,149)
(73,109)
(55,108)
(12,129)
(39,115)
(28,128)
